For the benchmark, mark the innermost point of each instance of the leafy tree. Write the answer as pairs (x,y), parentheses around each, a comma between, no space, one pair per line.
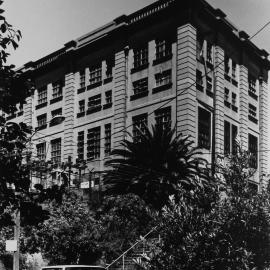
(68,236)
(122,220)
(155,166)
(234,234)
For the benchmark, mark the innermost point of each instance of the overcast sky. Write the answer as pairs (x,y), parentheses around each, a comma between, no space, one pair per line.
(47,24)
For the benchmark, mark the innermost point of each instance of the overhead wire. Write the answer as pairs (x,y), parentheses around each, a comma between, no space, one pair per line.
(164,103)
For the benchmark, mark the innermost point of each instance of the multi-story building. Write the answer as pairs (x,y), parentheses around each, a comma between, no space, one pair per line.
(173,61)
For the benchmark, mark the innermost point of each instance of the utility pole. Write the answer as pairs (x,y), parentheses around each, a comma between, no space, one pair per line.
(16,254)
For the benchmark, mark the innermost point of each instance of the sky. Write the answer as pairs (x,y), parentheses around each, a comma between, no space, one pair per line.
(46,25)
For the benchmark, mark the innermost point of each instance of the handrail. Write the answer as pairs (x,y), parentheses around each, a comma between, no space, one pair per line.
(135,244)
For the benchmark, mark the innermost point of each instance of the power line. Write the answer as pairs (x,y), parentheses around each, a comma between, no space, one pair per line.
(169,99)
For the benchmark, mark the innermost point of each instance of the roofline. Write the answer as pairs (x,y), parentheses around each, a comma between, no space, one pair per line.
(135,17)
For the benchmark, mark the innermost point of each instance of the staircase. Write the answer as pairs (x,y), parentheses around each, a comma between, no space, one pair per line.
(126,261)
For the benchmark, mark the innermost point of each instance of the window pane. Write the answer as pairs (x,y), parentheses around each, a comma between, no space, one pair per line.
(204,129)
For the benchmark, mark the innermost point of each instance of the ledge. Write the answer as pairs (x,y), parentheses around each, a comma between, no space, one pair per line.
(234,82)
(94,109)
(234,108)
(227,104)
(209,93)
(227,77)
(41,127)
(81,90)
(253,119)
(107,80)
(94,85)
(251,94)
(139,95)
(80,114)
(42,105)
(199,87)
(142,67)
(162,88)
(11,117)
(52,101)
(107,106)
(162,59)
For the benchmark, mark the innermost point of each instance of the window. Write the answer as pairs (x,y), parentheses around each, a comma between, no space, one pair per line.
(199,47)
(163,48)
(252,113)
(82,106)
(109,67)
(209,83)
(93,143)
(94,104)
(95,74)
(163,78)
(227,64)
(204,129)
(252,87)
(227,137)
(141,56)
(56,112)
(108,97)
(42,95)
(82,78)
(56,151)
(139,124)
(57,89)
(226,94)
(253,149)
(41,151)
(108,100)
(209,52)
(233,69)
(42,121)
(163,117)
(252,83)
(234,99)
(108,134)
(227,97)
(199,80)
(230,134)
(140,86)
(80,145)
(234,102)
(234,136)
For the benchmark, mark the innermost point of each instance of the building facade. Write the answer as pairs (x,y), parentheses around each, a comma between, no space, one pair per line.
(178,62)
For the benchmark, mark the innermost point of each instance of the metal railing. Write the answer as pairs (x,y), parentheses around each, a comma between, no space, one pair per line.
(123,255)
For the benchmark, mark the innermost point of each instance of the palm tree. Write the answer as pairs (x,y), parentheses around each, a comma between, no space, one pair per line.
(155,166)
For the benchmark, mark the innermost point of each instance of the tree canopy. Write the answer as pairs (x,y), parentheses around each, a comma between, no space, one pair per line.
(155,166)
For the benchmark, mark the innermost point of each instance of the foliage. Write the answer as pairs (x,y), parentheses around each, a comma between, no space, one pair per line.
(155,166)
(74,234)
(234,234)
(68,236)
(122,219)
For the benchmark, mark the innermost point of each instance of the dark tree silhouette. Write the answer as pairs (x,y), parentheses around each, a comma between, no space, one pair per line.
(155,166)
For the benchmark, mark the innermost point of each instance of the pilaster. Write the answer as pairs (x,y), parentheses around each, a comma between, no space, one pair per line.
(69,96)
(28,111)
(263,126)
(219,100)
(243,106)
(185,81)
(119,92)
